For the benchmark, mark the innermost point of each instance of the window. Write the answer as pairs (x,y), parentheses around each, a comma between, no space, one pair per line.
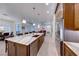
(17,28)
(7,28)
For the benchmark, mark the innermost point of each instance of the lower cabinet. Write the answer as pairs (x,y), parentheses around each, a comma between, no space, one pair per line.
(36,45)
(34,48)
(22,50)
(11,49)
(16,49)
(40,42)
(68,51)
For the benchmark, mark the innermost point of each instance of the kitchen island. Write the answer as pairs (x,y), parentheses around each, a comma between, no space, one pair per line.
(24,45)
(71,49)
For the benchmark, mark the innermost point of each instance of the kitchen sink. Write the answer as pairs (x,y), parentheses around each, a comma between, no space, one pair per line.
(35,35)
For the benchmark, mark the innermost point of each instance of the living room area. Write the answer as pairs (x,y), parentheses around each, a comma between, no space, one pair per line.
(26,29)
(11,29)
(7,28)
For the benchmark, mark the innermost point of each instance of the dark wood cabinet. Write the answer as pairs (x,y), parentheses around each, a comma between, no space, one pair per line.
(71,16)
(68,51)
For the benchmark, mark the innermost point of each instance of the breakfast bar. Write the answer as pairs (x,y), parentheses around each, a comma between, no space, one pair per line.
(24,45)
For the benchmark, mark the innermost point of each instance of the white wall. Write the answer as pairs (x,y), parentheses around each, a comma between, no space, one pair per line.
(53,27)
(6,20)
(30,27)
(71,35)
(8,24)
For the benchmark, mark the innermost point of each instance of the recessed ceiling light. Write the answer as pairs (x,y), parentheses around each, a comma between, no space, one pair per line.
(33,24)
(46,3)
(5,14)
(47,12)
(34,8)
(24,21)
(38,14)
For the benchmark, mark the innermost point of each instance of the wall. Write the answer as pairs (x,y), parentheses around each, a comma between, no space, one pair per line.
(72,36)
(8,24)
(30,27)
(11,21)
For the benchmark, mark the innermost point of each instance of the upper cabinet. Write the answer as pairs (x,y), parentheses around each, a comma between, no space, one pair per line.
(71,16)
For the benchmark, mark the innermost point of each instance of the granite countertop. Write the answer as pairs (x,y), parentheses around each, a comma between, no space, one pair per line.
(73,46)
(24,39)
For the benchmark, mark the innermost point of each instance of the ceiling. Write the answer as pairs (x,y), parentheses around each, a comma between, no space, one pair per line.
(33,12)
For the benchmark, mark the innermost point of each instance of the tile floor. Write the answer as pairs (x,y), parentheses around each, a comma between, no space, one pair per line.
(48,48)
(2,49)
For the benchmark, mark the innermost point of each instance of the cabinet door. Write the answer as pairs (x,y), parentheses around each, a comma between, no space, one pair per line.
(68,16)
(34,48)
(11,49)
(22,50)
(40,42)
(76,16)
